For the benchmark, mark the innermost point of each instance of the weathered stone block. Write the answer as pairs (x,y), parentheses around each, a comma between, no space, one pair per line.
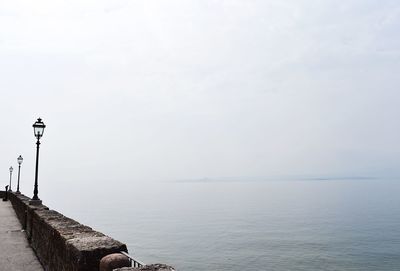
(150,267)
(61,243)
(113,261)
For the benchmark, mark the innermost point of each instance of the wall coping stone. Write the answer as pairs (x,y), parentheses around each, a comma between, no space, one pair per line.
(60,242)
(150,267)
(63,244)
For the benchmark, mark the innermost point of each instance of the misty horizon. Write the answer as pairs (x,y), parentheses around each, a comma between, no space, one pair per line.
(153,91)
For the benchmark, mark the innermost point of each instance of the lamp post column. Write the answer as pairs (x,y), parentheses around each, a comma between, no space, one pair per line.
(38,129)
(35,190)
(19,160)
(19,170)
(11,170)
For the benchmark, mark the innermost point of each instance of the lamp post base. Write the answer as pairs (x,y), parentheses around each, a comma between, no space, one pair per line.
(17,192)
(35,202)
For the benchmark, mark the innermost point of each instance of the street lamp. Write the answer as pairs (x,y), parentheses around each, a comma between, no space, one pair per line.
(19,160)
(38,129)
(11,170)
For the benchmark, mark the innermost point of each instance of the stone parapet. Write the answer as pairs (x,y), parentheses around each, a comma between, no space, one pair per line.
(150,267)
(62,243)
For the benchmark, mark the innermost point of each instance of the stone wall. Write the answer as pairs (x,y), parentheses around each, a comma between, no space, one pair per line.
(61,243)
(150,267)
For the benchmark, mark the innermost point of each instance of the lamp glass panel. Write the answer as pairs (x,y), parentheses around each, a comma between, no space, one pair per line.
(38,130)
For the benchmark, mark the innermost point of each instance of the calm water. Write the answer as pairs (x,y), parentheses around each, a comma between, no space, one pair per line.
(272,225)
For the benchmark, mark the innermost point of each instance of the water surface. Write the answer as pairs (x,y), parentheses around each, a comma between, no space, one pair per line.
(242,225)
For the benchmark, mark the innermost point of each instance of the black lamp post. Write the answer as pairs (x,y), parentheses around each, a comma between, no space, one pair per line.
(19,160)
(11,170)
(38,129)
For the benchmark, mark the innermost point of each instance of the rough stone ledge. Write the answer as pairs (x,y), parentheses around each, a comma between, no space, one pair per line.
(62,243)
(150,267)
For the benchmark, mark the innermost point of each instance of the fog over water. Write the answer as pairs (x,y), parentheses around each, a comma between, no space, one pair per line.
(136,94)
(154,90)
(345,224)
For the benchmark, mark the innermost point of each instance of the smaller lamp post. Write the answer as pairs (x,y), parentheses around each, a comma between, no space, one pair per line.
(19,160)
(38,129)
(11,170)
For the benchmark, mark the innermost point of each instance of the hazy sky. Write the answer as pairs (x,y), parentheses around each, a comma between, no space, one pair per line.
(167,90)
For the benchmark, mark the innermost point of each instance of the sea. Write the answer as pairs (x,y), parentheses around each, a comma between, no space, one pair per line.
(272,225)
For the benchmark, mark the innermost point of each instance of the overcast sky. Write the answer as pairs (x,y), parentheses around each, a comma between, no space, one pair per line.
(135,91)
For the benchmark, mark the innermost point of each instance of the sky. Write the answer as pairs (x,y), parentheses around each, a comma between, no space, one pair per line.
(142,91)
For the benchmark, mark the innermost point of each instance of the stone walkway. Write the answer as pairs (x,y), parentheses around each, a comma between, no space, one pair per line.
(15,252)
